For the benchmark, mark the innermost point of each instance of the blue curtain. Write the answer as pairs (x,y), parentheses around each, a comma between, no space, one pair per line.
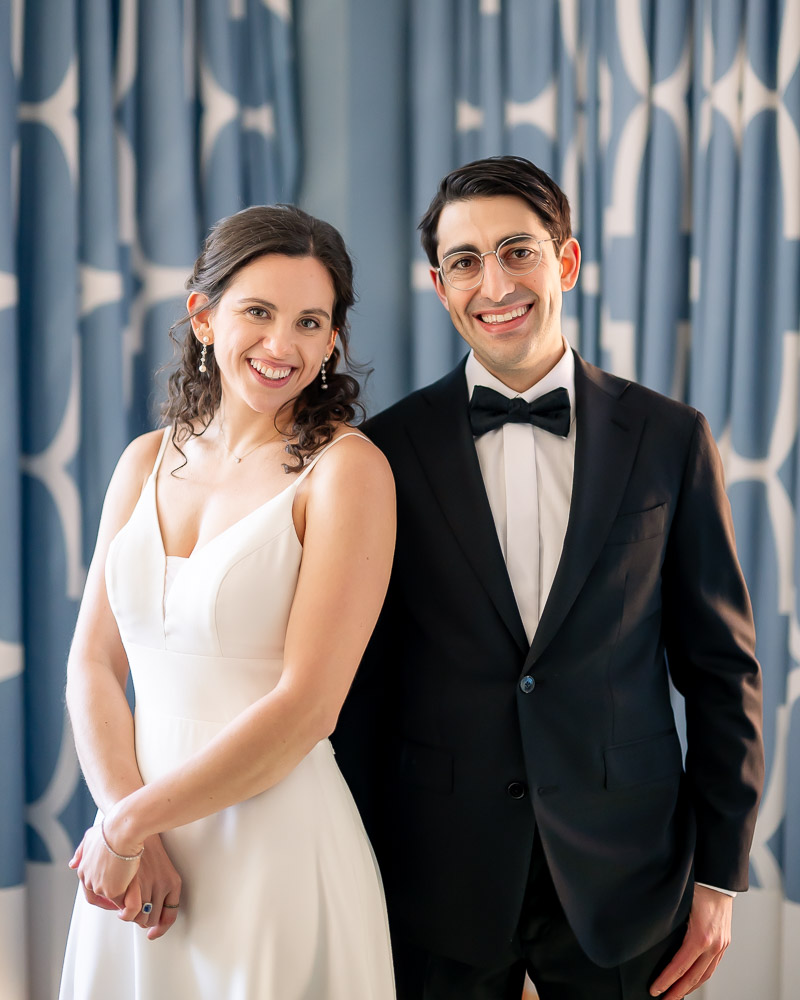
(126,128)
(674,128)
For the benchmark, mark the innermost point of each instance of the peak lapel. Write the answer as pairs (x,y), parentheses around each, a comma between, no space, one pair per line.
(608,434)
(446,450)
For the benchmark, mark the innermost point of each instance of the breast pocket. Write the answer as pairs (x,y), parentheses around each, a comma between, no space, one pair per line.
(638,526)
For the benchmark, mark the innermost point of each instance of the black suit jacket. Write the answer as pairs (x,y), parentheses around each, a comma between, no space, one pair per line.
(438,738)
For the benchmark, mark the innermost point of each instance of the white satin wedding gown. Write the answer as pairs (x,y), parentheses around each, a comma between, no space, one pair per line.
(281,895)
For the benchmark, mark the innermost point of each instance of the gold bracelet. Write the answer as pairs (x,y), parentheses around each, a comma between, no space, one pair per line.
(110,849)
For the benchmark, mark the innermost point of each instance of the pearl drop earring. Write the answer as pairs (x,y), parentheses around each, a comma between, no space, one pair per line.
(203,355)
(323,374)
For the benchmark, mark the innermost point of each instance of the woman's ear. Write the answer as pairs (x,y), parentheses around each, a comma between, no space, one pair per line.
(331,343)
(201,318)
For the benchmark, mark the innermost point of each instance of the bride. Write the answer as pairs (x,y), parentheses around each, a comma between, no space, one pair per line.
(242,559)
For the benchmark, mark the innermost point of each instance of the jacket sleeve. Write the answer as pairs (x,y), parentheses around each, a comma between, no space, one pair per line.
(710,641)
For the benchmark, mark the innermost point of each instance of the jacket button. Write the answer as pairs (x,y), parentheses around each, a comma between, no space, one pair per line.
(516,790)
(527,684)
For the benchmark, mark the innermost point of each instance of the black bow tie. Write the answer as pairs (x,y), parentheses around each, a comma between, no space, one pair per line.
(489,409)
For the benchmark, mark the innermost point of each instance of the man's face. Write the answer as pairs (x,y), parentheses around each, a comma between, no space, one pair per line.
(522,349)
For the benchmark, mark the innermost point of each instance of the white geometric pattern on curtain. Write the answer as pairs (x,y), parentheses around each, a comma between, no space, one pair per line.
(127,127)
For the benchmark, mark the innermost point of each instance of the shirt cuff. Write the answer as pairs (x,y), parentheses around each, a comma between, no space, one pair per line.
(727,892)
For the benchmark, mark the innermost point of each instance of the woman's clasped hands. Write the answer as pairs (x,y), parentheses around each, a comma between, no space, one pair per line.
(142,886)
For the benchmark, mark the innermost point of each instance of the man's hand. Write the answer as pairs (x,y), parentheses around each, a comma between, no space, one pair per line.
(707,937)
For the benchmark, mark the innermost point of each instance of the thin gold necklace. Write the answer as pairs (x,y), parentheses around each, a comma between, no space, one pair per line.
(234,456)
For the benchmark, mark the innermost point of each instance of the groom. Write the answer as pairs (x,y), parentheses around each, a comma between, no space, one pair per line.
(564,547)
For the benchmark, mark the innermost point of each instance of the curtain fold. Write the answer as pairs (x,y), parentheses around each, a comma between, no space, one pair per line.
(127,128)
(674,128)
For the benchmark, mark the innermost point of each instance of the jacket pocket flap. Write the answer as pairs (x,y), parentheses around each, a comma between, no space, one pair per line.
(637,526)
(643,760)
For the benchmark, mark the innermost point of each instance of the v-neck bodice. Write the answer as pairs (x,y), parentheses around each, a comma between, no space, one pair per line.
(232,597)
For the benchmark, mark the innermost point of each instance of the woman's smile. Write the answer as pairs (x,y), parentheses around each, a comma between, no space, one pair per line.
(270,375)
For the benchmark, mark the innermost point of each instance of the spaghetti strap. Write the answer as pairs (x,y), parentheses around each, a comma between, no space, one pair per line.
(164,442)
(329,445)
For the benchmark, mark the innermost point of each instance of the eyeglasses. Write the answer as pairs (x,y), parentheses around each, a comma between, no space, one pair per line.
(517,255)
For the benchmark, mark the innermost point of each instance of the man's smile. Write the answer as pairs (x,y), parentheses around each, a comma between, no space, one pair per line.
(506,316)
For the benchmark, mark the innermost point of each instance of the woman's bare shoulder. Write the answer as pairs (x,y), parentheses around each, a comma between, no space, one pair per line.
(129,478)
(133,468)
(139,457)
(359,447)
(354,464)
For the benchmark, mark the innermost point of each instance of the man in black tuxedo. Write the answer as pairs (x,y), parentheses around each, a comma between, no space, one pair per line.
(564,546)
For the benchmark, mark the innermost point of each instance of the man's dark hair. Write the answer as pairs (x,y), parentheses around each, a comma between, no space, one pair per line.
(499,175)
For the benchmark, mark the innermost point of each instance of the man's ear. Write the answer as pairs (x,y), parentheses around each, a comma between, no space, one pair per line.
(201,318)
(570,262)
(439,286)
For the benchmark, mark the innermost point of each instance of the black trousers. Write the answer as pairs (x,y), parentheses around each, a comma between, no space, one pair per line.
(544,947)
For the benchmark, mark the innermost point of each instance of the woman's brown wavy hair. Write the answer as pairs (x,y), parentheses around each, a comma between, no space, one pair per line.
(233,243)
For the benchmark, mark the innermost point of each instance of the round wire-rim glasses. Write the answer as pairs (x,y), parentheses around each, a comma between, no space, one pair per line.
(464,269)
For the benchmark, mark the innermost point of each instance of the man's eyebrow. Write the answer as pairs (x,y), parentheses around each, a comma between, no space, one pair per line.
(254,300)
(471,248)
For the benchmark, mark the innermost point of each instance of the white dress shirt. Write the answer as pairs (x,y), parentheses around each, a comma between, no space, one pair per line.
(506,455)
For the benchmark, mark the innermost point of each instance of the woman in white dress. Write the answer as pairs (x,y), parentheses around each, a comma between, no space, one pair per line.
(242,559)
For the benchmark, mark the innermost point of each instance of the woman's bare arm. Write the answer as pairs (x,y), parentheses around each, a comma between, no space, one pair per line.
(97,671)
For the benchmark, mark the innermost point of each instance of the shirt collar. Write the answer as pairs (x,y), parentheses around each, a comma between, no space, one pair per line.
(561,374)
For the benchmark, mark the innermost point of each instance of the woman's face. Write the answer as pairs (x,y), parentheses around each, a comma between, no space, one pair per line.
(271,329)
